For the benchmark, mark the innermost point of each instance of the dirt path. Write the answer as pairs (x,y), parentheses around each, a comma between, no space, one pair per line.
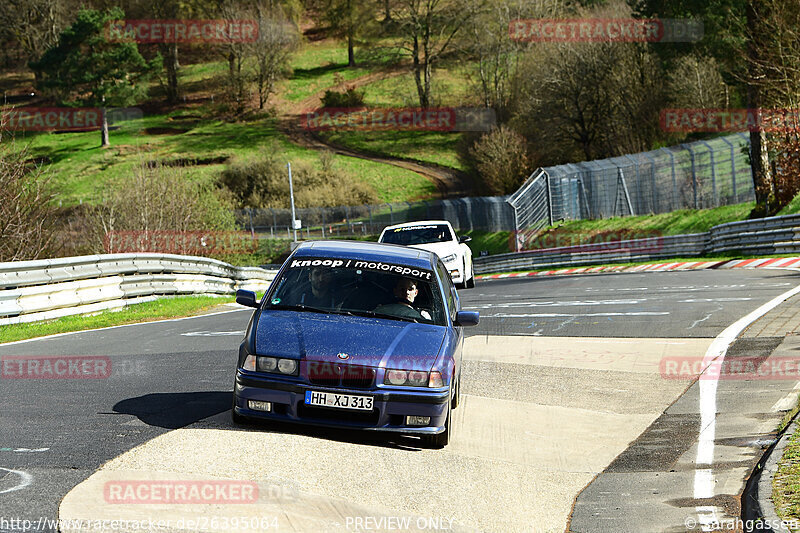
(451,183)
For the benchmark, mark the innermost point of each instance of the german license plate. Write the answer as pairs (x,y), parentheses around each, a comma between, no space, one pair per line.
(339,401)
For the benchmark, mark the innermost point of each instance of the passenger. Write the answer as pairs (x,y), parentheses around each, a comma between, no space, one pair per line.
(406,291)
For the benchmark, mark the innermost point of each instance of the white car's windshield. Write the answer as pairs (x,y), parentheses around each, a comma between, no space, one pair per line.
(418,235)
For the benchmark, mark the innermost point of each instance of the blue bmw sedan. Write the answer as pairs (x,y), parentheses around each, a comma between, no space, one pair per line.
(357,335)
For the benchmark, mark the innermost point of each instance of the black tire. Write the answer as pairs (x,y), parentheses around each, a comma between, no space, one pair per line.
(442,439)
(457,395)
(470,283)
(463,284)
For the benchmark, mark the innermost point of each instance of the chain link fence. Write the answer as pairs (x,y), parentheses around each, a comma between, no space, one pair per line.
(695,175)
(491,213)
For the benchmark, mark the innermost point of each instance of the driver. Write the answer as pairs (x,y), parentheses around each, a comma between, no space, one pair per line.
(322,293)
(406,291)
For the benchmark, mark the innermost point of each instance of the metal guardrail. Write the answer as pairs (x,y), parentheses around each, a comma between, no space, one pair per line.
(52,288)
(772,235)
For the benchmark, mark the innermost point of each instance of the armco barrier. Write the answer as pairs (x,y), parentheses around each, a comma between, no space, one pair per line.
(766,236)
(50,288)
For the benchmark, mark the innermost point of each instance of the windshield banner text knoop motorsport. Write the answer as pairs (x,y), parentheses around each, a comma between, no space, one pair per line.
(375,266)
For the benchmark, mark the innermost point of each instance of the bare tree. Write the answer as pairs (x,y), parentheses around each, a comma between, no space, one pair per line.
(496,57)
(35,24)
(773,81)
(277,39)
(26,215)
(429,29)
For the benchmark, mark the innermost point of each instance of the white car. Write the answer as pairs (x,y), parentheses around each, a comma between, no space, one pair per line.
(436,236)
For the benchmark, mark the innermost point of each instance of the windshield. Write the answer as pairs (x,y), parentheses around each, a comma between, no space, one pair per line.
(418,235)
(361,288)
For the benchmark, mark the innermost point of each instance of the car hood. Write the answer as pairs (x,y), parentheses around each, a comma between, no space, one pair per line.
(366,341)
(442,249)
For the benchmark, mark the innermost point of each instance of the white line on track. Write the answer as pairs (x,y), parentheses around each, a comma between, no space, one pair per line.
(560,315)
(25,478)
(704,475)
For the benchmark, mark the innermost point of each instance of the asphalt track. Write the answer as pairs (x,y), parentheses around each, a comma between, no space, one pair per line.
(167,375)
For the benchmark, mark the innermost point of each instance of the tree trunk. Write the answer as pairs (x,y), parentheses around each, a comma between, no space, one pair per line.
(387,13)
(171,64)
(351,57)
(104,130)
(763,181)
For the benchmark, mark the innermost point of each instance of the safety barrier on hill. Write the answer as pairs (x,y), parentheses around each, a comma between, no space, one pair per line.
(52,288)
(766,236)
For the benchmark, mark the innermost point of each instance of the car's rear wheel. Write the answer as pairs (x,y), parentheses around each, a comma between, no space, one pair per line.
(442,439)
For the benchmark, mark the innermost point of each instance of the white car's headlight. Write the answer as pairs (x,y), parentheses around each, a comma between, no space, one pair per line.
(449,258)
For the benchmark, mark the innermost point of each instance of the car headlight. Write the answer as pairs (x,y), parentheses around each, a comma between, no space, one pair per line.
(411,378)
(287,366)
(272,365)
(396,377)
(267,364)
(449,258)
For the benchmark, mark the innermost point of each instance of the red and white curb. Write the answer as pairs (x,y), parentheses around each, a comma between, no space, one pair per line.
(771,262)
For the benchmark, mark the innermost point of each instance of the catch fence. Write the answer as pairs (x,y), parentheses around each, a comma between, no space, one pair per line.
(695,175)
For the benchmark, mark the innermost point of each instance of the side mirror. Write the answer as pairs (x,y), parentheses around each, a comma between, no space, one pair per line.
(246,298)
(467,318)
(464,239)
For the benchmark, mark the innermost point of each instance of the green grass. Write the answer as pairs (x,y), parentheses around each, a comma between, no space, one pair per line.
(786,482)
(319,66)
(450,87)
(168,307)
(575,232)
(440,148)
(81,169)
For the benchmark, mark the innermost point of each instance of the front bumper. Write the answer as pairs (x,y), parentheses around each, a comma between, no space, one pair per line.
(390,407)
(456,273)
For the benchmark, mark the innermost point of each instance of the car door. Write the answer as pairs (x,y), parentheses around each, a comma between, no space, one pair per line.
(453,306)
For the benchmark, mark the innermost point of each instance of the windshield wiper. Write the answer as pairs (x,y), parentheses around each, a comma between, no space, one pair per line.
(298,307)
(373,314)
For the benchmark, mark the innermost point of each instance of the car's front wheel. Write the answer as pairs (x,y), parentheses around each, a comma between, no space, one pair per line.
(442,439)
(470,283)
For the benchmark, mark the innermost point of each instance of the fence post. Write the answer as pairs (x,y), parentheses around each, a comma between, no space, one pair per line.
(653,180)
(672,204)
(323,222)
(694,173)
(347,219)
(713,174)
(733,167)
(549,199)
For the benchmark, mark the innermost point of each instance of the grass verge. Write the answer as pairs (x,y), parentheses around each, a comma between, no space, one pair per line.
(167,307)
(786,482)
